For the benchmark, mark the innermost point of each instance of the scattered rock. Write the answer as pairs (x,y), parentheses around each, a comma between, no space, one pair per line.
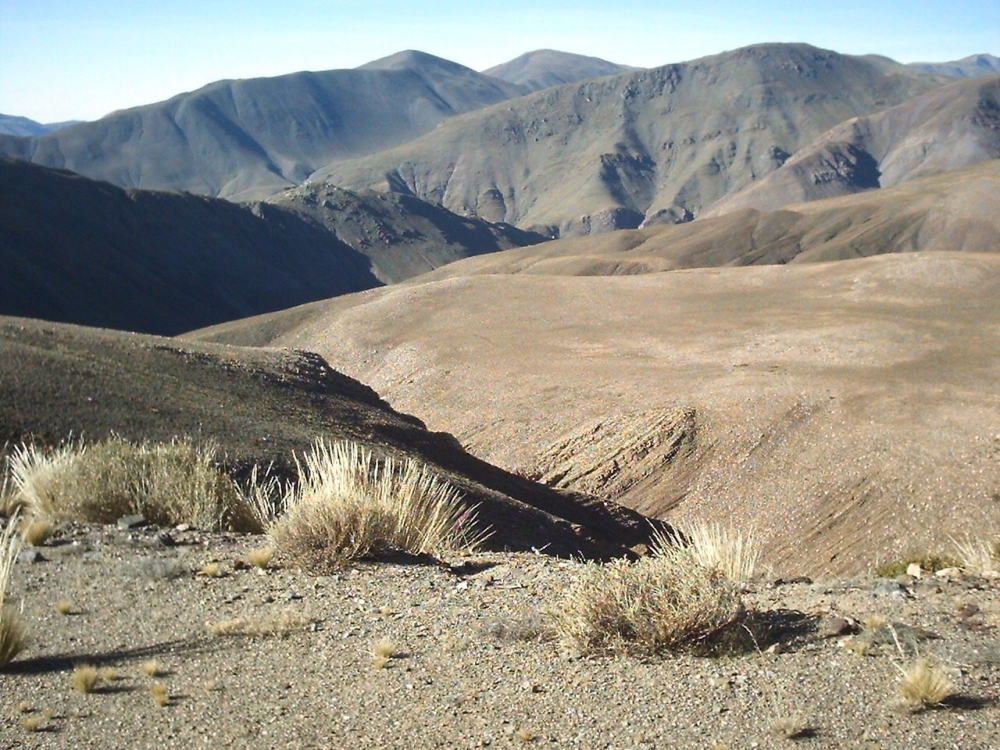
(949,573)
(131,522)
(914,570)
(891,589)
(831,627)
(968,610)
(30,556)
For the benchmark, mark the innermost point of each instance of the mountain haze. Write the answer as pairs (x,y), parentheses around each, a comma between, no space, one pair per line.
(544,68)
(967,67)
(655,145)
(247,139)
(23,126)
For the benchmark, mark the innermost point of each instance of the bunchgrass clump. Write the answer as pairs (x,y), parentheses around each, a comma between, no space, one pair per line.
(277,625)
(32,723)
(38,531)
(350,506)
(168,483)
(64,607)
(728,550)
(923,685)
(977,557)
(13,636)
(160,695)
(85,678)
(151,668)
(929,563)
(260,557)
(664,602)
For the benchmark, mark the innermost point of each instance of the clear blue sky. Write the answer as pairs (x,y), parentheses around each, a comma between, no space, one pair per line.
(80,59)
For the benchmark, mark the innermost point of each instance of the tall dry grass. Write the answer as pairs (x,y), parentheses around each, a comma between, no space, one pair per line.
(12,632)
(732,552)
(349,505)
(168,483)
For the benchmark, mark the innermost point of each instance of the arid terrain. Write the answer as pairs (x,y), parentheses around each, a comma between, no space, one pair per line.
(604,305)
(473,666)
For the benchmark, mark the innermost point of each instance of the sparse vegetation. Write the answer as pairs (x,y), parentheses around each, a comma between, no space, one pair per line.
(792,726)
(31,723)
(168,483)
(666,601)
(930,563)
(277,625)
(12,633)
(85,678)
(211,570)
(348,506)
(923,684)
(109,674)
(730,551)
(64,607)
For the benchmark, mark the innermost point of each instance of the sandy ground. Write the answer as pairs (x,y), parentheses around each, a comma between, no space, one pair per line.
(472,666)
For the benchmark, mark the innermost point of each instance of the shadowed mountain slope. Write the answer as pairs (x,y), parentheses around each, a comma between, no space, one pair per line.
(260,407)
(656,145)
(948,128)
(247,139)
(402,236)
(846,411)
(544,68)
(87,252)
(967,67)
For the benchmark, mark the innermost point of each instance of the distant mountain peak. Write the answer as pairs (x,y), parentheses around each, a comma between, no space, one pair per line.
(410,59)
(542,68)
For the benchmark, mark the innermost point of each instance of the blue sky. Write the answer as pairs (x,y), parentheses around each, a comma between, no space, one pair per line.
(80,59)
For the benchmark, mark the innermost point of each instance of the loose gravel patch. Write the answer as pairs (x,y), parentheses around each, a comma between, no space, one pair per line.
(473,662)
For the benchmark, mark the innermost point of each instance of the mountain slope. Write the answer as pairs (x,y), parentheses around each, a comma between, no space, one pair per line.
(247,139)
(656,145)
(954,211)
(22,126)
(544,68)
(261,407)
(845,411)
(81,251)
(951,127)
(402,236)
(967,67)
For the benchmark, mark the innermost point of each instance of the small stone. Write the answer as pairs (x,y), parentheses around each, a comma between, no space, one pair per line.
(993,575)
(949,573)
(182,527)
(163,539)
(837,626)
(775,648)
(968,610)
(914,570)
(890,589)
(30,556)
(131,522)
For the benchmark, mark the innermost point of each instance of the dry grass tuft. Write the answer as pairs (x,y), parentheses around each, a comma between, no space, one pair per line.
(13,636)
(261,557)
(731,552)
(349,506)
(160,695)
(168,483)
(792,727)
(923,684)
(64,607)
(276,625)
(151,668)
(667,601)
(85,678)
(110,674)
(38,531)
(977,557)
(31,723)
(211,570)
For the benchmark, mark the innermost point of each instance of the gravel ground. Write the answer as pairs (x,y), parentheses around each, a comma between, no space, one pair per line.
(472,667)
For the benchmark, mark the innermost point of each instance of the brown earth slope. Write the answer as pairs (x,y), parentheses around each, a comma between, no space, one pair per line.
(654,145)
(848,411)
(261,407)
